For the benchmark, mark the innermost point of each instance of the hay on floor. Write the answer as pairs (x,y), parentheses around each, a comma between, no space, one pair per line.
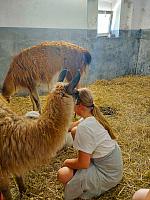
(125,101)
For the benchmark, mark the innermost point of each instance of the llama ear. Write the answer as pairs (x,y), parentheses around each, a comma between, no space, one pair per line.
(70,87)
(62,75)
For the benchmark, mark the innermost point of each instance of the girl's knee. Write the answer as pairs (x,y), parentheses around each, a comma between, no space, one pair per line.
(1,196)
(60,174)
(140,194)
(64,174)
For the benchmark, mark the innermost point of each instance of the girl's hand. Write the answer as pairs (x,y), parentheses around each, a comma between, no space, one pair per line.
(82,162)
(65,163)
(74,124)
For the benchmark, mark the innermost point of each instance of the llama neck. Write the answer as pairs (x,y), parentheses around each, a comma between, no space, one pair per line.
(53,125)
(57,112)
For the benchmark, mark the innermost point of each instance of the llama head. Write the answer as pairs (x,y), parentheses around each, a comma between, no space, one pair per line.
(8,88)
(62,95)
(6,93)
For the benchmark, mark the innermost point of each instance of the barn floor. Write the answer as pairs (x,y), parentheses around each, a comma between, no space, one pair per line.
(125,101)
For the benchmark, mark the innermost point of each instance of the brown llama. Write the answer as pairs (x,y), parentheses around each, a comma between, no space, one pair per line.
(39,64)
(25,143)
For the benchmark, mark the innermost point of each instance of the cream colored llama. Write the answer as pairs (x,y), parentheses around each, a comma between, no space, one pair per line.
(39,64)
(26,143)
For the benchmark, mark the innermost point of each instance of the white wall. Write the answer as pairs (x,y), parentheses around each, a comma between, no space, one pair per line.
(71,14)
(44,13)
(135,14)
(141,14)
(107,4)
(92,13)
(126,14)
(104,5)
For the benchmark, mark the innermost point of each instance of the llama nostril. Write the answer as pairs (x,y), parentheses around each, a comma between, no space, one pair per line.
(8,100)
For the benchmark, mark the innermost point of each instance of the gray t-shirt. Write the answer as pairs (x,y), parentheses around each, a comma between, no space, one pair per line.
(91,137)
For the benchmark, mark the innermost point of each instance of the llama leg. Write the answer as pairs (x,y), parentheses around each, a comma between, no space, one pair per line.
(21,185)
(4,188)
(33,102)
(35,99)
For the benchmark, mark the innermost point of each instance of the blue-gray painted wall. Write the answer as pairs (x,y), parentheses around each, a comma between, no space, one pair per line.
(111,57)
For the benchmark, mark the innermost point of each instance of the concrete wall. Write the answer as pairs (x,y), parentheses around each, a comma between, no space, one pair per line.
(135,15)
(143,60)
(111,57)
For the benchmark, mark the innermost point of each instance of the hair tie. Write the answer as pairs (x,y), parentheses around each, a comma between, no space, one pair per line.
(91,106)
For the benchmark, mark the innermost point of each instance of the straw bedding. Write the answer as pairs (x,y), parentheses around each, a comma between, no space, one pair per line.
(125,101)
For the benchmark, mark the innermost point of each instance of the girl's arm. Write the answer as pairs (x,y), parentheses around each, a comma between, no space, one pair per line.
(81,162)
(74,124)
